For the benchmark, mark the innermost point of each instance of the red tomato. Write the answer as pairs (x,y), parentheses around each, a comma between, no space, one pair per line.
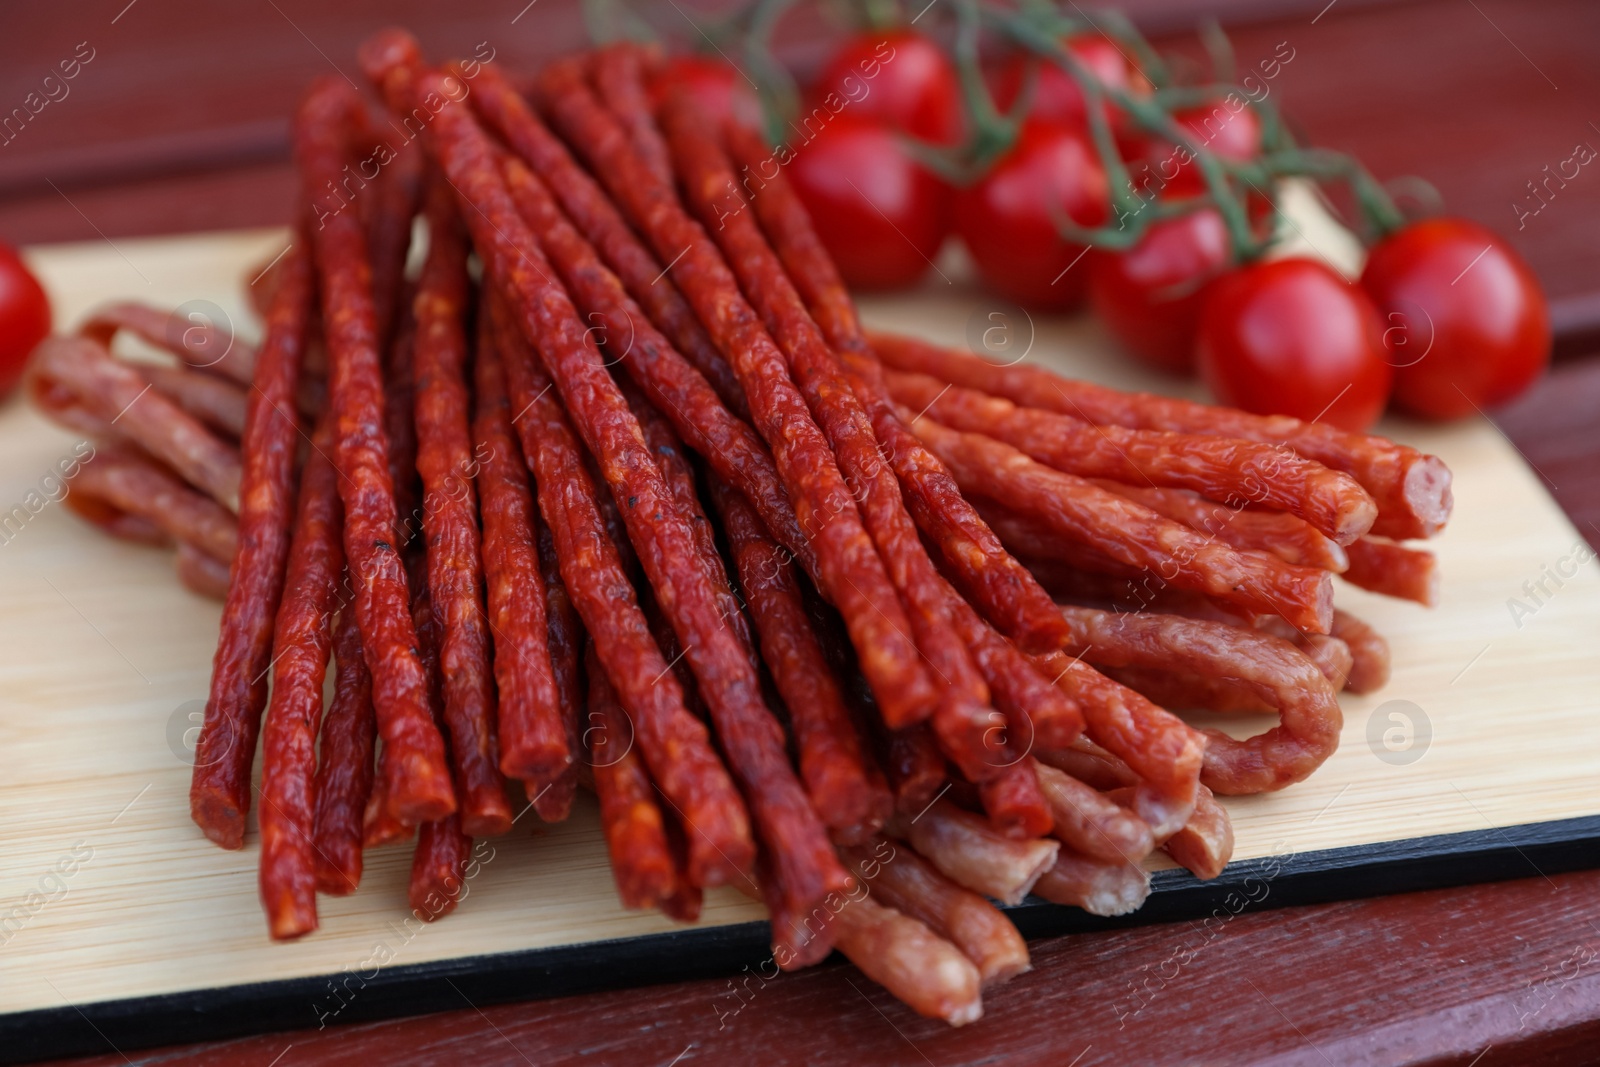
(900,78)
(1056,97)
(1008,219)
(24,317)
(1291,337)
(1228,134)
(1468,326)
(716,87)
(1150,296)
(881,215)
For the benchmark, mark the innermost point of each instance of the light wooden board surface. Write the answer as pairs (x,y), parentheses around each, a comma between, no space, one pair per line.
(106,659)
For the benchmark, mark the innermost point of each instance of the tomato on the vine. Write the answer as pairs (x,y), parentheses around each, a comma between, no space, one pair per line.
(716,87)
(898,77)
(1150,296)
(24,317)
(1467,323)
(881,215)
(1291,337)
(1056,97)
(1008,219)
(1220,130)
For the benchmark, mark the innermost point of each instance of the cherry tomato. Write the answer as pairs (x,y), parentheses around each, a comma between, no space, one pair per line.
(24,317)
(900,78)
(881,215)
(1291,337)
(1467,324)
(1008,219)
(1150,296)
(1227,134)
(1056,97)
(716,87)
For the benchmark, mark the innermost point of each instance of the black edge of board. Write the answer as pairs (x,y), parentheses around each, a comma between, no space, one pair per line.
(1284,879)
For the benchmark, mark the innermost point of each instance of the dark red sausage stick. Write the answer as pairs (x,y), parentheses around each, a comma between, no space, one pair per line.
(675,388)
(450,519)
(641,858)
(219,793)
(852,575)
(417,786)
(843,786)
(300,645)
(596,218)
(533,738)
(963,717)
(674,744)
(1000,585)
(746,729)
(553,801)
(344,770)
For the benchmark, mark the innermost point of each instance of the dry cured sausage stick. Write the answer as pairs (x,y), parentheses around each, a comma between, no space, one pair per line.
(399,422)
(797,844)
(199,343)
(1014,802)
(1394,570)
(1036,712)
(680,392)
(217,402)
(903,880)
(999,584)
(916,768)
(123,525)
(201,573)
(1369,653)
(618,76)
(1205,844)
(450,520)
(972,853)
(832,761)
(850,573)
(344,770)
(1099,887)
(553,799)
(1077,510)
(1155,744)
(393,202)
(219,792)
(924,971)
(963,719)
(1089,822)
(597,219)
(1267,666)
(114,394)
(663,539)
(668,452)
(132,484)
(1411,489)
(532,724)
(1231,471)
(1276,532)
(417,776)
(439,869)
(636,837)
(675,745)
(300,642)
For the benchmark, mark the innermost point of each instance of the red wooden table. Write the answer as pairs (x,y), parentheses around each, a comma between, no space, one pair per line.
(178,123)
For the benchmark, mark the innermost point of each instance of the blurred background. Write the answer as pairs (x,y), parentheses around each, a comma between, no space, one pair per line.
(177,119)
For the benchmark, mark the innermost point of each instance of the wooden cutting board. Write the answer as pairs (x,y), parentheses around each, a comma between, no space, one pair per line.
(120,923)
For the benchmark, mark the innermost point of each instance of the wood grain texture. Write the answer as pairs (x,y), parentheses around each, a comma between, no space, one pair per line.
(156,909)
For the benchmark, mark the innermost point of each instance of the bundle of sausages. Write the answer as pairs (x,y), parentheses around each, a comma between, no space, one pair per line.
(617,492)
